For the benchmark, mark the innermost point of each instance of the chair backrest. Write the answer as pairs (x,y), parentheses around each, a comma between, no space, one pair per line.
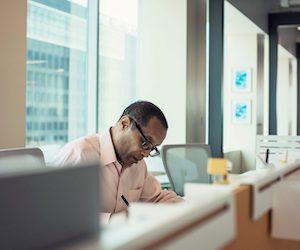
(29,158)
(50,151)
(186,163)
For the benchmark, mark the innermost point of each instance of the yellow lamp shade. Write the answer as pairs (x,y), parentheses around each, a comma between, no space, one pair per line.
(217,166)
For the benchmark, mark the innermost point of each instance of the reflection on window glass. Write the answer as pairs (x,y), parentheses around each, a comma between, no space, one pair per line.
(56,71)
(117,48)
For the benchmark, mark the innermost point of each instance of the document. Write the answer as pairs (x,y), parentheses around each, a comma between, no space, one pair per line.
(286,204)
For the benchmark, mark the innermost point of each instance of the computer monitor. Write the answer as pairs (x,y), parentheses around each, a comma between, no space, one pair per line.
(46,206)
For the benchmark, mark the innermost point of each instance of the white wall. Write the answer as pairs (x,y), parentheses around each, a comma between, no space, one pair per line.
(293,94)
(266,87)
(286,93)
(162,61)
(240,51)
(13,17)
(240,136)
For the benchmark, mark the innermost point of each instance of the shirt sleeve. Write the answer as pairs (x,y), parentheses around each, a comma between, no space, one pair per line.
(152,191)
(74,154)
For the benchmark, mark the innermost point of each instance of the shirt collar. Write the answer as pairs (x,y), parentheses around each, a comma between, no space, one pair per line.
(107,151)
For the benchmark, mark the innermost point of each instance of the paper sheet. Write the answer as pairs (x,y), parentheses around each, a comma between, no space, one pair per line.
(286,205)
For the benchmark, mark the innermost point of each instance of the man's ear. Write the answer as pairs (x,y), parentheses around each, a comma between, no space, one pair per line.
(125,122)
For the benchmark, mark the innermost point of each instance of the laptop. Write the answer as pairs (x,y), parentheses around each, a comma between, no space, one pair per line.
(43,207)
(31,158)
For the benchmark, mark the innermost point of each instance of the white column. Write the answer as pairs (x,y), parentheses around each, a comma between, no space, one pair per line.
(162,61)
(286,93)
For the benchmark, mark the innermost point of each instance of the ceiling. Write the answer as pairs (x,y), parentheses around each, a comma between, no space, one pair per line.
(283,5)
(257,11)
(236,22)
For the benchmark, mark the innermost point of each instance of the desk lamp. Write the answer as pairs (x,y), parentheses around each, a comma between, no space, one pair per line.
(217,168)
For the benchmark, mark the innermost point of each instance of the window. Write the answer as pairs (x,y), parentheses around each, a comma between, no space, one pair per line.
(117,62)
(143,53)
(57,81)
(69,52)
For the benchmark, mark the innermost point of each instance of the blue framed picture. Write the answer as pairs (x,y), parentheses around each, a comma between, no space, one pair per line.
(241,111)
(241,80)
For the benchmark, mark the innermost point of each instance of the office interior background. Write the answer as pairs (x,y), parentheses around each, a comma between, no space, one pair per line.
(226,73)
(74,65)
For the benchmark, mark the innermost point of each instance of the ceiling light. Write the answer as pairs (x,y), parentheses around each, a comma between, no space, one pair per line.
(59,70)
(36,61)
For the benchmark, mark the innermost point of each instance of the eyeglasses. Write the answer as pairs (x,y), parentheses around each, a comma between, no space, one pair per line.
(146,144)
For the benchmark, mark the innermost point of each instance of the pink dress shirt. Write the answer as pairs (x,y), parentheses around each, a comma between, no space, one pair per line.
(134,182)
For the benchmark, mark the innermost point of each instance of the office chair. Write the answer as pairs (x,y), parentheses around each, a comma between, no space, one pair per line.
(186,163)
(19,159)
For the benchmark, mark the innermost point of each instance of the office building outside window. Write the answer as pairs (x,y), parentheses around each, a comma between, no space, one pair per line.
(58,93)
(57,87)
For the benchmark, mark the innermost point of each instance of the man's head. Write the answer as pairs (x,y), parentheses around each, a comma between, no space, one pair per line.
(141,128)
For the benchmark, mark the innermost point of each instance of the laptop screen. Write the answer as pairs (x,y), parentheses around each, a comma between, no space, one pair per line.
(42,207)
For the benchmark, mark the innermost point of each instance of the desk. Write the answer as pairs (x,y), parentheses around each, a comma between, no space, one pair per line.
(254,234)
(181,229)
(165,226)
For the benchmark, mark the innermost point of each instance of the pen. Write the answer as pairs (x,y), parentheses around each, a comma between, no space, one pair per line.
(267,155)
(125,201)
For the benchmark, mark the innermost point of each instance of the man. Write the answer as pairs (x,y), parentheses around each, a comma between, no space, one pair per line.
(140,129)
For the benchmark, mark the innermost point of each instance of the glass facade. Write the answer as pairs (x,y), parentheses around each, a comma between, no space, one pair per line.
(57,67)
(56,94)
(117,66)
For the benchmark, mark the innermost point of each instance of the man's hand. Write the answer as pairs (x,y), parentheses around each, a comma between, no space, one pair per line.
(166,195)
